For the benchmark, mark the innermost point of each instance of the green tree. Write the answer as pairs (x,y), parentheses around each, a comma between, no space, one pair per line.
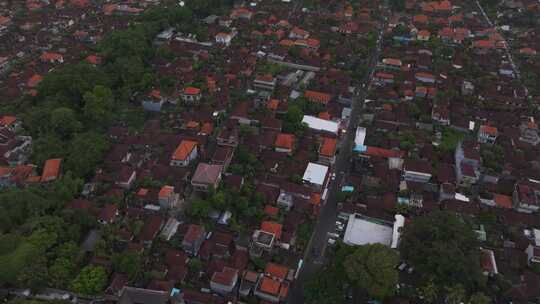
(373,268)
(195,265)
(442,247)
(90,281)
(86,152)
(430,292)
(98,106)
(64,122)
(61,272)
(64,267)
(455,294)
(199,208)
(67,188)
(68,83)
(34,275)
(46,147)
(128,263)
(219,201)
(16,265)
(292,121)
(330,284)
(479,298)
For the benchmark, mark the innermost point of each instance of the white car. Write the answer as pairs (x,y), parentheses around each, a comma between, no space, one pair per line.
(333,235)
(331,242)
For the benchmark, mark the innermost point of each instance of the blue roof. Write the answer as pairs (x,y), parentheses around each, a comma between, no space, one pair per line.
(360,148)
(347,189)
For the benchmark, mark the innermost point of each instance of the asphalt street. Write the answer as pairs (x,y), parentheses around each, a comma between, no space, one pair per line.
(328,215)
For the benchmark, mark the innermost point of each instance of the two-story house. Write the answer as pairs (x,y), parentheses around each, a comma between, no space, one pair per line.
(206,177)
(468,162)
(228,136)
(224,281)
(529,132)
(184,154)
(225,38)
(265,82)
(167,198)
(327,151)
(191,95)
(487,134)
(193,239)
(417,171)
(153,101)
(315,176)
(526,196)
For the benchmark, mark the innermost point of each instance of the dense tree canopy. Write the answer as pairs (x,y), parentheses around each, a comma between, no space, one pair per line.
(444,249)
(90,281)
(68,118)
(127,262)
(369,269)
(373,268)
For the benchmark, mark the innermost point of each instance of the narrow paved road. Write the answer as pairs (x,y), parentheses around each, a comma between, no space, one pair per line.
(507,49)
(328,215)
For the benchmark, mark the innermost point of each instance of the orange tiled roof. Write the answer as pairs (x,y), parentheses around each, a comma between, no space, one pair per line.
(273,104)
(47,56)
(503,201)
(315,199)
(207,128)
(325,115)
(272,227)
(420,19)
(270,286)
(285,141)
(51,170)
(488,129)
(165,191)
(328,147)
(276,270)
(271,210)
(184,149)
(317,96)
(192,91)
(424,33)
(7,120)
(34,81)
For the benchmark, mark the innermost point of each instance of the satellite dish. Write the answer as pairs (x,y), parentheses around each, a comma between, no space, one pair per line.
(182,3)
